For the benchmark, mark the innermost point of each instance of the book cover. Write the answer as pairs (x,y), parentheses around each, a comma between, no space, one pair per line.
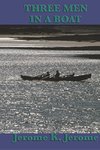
(49,74)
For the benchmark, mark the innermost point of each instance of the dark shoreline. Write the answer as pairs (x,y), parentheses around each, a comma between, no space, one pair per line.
(48,29)
(79,38)
(88,56)
(89,48)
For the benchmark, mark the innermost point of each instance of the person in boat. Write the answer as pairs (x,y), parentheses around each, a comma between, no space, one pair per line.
(71,75)
(57,75)
(47,74)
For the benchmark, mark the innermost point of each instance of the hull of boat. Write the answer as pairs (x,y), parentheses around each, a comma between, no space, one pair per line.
(68,78)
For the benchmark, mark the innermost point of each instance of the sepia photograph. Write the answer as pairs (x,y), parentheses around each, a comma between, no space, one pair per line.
(49,79)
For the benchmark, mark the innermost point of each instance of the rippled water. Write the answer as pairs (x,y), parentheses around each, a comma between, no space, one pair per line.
(45,107)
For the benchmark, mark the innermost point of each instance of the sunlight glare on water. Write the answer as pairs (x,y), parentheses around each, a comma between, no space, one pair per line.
(46,107)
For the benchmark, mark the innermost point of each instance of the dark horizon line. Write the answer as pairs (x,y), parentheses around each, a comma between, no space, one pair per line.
(89,48)
(47,29)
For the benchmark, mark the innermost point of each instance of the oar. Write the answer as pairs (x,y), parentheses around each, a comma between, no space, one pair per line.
(39,75)
(50,71)
(68,74)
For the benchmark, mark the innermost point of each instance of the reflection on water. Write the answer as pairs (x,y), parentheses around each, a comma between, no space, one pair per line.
(44,107)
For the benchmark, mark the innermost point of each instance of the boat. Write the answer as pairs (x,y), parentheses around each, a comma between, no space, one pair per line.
(63,78)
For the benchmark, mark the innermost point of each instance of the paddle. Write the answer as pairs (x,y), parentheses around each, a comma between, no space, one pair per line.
(68,74)
(40,75)
(51,70)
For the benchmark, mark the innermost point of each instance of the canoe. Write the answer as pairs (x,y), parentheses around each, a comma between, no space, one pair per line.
(63,78)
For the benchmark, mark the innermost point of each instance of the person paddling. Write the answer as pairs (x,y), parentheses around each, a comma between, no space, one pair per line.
(57,75)
(46,75)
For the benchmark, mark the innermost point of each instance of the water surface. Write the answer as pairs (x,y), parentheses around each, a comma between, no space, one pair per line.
(46,107)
